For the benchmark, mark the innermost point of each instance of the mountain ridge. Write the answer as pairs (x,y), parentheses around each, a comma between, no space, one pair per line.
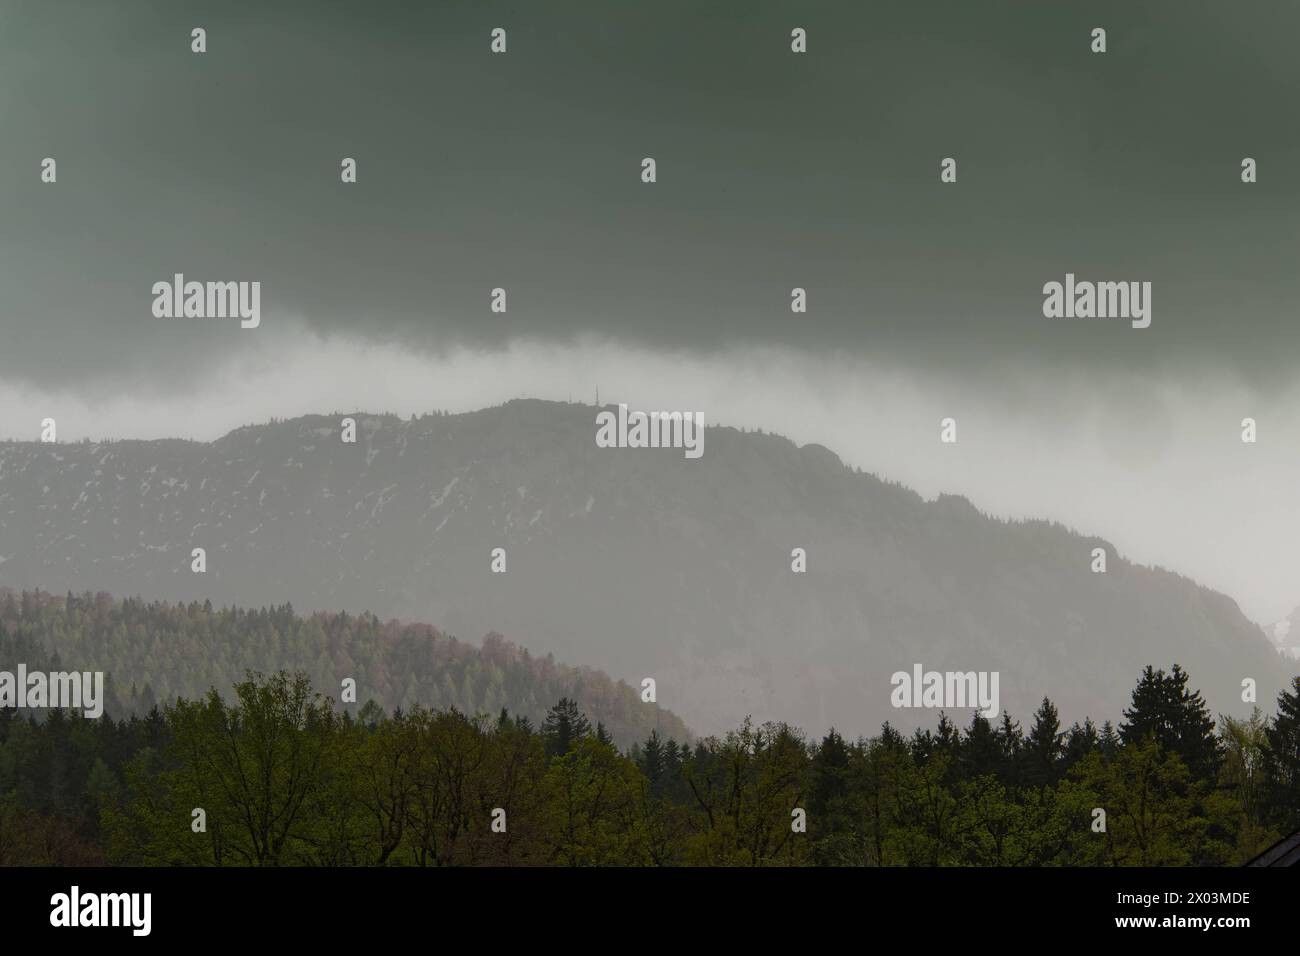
(634,561)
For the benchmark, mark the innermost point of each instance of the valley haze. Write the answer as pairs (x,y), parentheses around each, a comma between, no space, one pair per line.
(637,562)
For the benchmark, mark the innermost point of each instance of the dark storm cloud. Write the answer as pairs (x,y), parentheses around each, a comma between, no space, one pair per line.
(775,170)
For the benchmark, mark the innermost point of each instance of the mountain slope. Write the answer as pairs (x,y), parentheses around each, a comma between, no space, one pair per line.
(1285,635)
(636,561)
(156,652)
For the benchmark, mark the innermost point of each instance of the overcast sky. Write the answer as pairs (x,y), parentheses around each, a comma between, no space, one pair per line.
(775,170)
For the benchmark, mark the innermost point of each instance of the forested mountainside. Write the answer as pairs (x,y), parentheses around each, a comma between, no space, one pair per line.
(639,562)
(154,652)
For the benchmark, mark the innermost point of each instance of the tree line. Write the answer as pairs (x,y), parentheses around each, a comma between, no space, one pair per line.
(277,775)
(180,650)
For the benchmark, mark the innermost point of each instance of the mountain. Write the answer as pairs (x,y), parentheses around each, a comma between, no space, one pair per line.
(155,652)
(640,562)
(1285,635)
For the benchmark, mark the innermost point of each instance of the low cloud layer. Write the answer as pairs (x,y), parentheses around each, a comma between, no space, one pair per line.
(775,170)
(1160,471)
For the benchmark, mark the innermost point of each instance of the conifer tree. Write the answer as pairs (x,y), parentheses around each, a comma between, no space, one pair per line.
(829,774)
(1108,742)
(652,760)
(565,726)
(980,750)
(1175,717)
(1011,742)
(1044,746)
(1281,761)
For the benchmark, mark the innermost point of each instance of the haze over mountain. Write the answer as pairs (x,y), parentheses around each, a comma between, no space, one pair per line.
(639,562)
(1285,635)
(156,652)
(776,170)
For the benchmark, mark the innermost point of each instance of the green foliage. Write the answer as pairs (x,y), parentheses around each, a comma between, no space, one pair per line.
(1177,718)
(1243,774)
(285,777)
(1281,762)
(745,789)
